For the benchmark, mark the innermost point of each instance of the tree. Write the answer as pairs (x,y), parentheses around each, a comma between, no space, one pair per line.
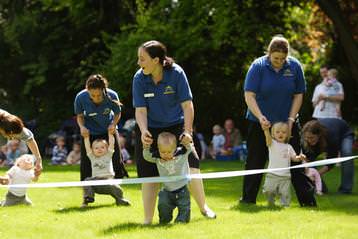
(335,12)
(48,49)
(214,41)
(344,49)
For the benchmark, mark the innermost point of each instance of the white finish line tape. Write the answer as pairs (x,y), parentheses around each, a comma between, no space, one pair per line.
(175,178)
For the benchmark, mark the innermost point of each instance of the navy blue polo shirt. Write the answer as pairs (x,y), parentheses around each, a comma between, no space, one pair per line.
(337,130)
(162,100)
(274,90)
(97,117)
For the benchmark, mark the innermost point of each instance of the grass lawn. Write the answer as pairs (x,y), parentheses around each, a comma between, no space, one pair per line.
(56,213)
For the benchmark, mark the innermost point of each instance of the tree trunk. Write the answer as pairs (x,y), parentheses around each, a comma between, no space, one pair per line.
(332,9)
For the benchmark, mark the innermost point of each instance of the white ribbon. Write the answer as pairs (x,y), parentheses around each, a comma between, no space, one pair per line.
(175,178)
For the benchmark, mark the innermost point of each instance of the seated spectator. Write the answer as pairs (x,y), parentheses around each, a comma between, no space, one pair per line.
(204,147)
(124,152)
(217,142)
(3,151)
(74,157)
(13,152)
(23,147)
(59,152)
(127,131)
(70,130)
(233,139)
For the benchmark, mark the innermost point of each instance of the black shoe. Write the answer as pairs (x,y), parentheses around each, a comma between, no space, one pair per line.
(123,202)
(344,192)
(88,200)
(243,201)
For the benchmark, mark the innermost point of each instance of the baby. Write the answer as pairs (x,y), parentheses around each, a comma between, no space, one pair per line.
(59,152)
(21,173)
(13,152)
(74,157)
(172,162)
(332,89)
(217,141)
(100,154)
(280,155)
(124,152)
(315,177)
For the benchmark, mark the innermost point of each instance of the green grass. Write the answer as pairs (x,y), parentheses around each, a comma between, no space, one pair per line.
(56,213)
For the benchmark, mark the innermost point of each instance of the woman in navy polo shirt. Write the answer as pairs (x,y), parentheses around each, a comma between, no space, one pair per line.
(163,102)
(98,112)
(274,88)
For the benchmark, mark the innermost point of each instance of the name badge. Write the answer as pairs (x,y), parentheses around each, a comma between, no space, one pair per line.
(147,95)
(92,114)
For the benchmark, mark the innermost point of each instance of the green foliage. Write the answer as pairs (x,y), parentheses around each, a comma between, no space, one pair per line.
(50,47)
(214,41)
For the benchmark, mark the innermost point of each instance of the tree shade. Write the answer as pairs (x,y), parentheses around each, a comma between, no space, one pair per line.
(48,48)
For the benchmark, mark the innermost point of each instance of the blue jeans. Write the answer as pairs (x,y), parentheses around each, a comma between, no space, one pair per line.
(168,201)
(347,167)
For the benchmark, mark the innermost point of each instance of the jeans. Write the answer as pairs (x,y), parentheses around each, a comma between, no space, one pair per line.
(168,201)
(347,167)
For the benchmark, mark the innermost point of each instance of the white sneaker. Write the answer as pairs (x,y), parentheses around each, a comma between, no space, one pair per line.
(210,214)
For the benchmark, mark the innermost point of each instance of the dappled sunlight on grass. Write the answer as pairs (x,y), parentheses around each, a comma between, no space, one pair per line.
(57,212)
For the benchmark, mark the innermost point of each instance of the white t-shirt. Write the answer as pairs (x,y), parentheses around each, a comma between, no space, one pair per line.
(102,166)
(330,109)
(280,155)
(19,176)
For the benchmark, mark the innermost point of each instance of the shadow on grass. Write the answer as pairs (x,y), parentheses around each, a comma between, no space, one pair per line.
(48,167)
(347,203)
(130,226)
(230,189)
(79,209)
(253,208)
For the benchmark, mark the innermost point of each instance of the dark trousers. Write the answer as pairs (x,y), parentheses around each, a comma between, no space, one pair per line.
(257,158)
(113,190)
(168,201)
(118,166)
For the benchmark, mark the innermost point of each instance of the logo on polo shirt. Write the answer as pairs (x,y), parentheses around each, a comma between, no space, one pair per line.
(168,90)
(287,72)
(106,111)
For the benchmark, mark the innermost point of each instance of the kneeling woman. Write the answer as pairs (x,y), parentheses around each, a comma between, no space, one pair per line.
(331,136)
